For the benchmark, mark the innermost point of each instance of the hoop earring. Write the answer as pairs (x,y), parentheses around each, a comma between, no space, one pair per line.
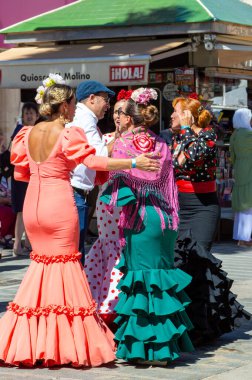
(64,119)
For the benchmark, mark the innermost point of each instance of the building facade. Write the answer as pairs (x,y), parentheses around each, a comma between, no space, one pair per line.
(14,12)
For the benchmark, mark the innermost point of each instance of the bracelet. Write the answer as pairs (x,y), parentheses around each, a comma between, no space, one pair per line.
(185,127)
(133,163)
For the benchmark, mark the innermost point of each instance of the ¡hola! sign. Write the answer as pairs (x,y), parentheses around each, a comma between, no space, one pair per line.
(127,73)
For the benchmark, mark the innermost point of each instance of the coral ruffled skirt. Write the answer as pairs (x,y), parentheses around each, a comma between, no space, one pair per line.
(53,320)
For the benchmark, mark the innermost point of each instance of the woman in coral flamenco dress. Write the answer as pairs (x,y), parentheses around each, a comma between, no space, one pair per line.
(52,319)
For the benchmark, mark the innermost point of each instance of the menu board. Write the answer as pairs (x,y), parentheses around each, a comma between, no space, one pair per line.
(184,79)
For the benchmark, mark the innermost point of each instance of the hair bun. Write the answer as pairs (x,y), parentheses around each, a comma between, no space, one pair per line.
(53,97)
(45,109)
(151,115)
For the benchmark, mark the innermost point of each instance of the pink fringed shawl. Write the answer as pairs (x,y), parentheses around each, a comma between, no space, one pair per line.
(159,187)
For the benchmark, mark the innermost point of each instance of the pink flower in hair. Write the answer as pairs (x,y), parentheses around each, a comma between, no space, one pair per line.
(144,95)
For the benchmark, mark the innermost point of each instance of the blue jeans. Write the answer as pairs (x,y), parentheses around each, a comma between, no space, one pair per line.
(82,207)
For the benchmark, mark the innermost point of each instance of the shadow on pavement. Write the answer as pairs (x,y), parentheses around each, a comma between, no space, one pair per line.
(208,350)
(229,248)
(6,268)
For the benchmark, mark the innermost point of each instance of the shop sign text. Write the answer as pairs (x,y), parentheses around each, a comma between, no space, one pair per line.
(126,73)
(67,76)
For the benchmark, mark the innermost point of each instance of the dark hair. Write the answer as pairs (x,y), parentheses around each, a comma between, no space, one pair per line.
(146,115)
(29,106)
(53,97)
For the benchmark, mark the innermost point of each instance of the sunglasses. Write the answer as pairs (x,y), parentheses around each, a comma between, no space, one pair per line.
(121,112)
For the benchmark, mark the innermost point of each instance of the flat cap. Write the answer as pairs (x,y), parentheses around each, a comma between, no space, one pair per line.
(85,89)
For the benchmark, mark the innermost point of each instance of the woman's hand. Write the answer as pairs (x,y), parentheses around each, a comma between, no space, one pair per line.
(181,158)
(147,163)
(186,118)
(117,134)
(143,162)
(5,201)
(110,147)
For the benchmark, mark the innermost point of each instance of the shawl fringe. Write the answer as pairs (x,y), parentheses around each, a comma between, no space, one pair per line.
(162,195)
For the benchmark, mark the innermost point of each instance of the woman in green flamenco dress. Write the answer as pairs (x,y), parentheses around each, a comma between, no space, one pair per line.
(152,322)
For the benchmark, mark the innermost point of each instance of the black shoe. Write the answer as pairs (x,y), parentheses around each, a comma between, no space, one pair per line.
(8,243)
(91,234)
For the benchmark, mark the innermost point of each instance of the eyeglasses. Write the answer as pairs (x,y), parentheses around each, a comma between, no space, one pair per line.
(106,99)
(120,111)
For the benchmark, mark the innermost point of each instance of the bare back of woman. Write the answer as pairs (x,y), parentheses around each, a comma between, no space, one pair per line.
(43,138)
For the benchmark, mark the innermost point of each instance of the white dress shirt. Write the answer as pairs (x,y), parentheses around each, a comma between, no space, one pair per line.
(82,177)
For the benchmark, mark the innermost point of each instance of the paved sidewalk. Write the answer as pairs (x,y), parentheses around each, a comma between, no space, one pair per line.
(229,358)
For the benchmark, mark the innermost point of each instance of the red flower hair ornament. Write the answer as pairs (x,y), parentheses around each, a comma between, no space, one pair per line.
(193,95)
(124,95)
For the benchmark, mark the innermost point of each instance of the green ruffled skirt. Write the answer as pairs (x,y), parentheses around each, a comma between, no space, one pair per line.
(152,321)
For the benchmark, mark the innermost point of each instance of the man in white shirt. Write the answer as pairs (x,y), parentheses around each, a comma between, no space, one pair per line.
(93,101)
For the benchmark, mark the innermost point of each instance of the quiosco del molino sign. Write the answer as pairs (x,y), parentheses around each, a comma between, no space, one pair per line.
(19,75)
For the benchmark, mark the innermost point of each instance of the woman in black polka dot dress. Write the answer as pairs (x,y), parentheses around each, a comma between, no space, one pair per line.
(213,310)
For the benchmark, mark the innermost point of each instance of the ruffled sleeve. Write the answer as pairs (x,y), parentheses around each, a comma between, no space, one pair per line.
(198,147)
(19,156)
(76,148)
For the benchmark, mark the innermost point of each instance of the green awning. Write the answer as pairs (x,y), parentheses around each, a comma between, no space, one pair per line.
(115,13)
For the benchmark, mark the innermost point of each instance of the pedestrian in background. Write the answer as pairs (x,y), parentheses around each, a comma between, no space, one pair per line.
(7,217)
(241,157)
(30,115)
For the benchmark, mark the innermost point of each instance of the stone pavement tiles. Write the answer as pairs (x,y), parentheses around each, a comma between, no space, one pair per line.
(227,358)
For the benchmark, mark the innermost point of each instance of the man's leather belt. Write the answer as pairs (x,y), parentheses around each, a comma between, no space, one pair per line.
(81,192)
